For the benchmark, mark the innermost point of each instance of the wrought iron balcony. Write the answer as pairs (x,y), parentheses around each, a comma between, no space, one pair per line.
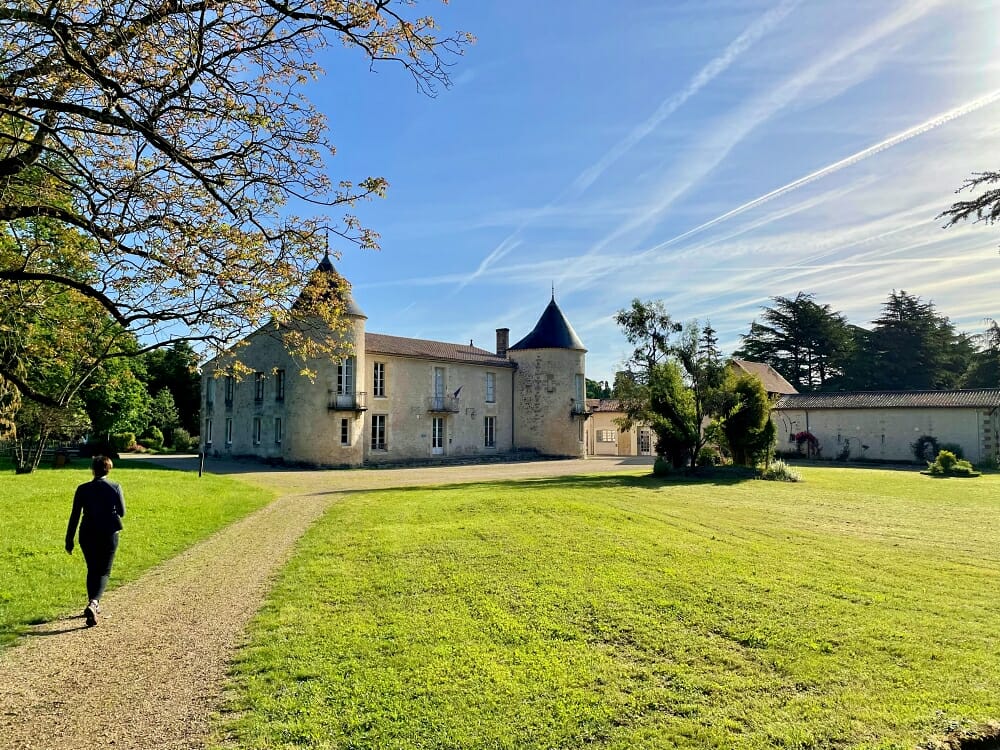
(579,409)
(348,402)
(442,404)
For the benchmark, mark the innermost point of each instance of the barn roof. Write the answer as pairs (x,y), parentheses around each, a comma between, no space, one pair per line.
(979,398)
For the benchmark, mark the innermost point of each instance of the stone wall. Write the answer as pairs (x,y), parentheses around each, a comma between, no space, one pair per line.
(409,417)
(544,386)
(888,433)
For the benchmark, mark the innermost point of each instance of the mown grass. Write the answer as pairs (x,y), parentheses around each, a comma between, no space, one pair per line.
(860,609)
(166,512)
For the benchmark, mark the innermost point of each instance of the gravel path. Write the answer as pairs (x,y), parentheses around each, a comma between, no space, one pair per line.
(151,675)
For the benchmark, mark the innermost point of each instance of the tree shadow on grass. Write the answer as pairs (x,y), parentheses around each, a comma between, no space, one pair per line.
(606,482)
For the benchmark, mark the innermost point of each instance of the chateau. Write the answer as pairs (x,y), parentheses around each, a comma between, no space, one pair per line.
(398,399)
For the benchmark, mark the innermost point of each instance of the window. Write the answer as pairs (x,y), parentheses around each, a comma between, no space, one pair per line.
(208,432)
(578,388)
(229,431)
(345,432)
(605,436)
(279,385)
(378,432)
(230,387)
(256,430)
(277,430)
(345,376)
(378,380)
(210,391)
(258,386)
(490,440)
(491,387)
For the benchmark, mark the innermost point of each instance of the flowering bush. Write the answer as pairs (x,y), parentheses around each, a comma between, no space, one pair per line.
(779,471)
(808,441)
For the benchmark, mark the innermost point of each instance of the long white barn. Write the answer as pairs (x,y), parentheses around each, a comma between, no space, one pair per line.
(399,399)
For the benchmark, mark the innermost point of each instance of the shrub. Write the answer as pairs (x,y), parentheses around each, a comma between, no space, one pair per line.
(181,439)
(709,455)
(963,468)
(779,471)
(925,448)
(955,448)
(153,438)
(947,464)
(123,441)
(661,467)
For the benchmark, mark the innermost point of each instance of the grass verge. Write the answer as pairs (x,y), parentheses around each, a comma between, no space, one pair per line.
(166,512)
(856,609)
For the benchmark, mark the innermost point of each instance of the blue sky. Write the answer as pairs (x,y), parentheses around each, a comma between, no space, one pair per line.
(709,154)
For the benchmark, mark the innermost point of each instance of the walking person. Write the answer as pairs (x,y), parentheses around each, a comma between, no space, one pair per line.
(102,504)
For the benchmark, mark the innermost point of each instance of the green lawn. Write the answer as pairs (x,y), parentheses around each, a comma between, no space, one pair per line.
(166,512)
(859,608)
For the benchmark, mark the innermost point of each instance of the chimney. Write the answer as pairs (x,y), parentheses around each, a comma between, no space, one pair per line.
(503,337)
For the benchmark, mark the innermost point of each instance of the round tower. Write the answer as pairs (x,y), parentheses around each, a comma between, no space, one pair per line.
(550,387)
(326,414)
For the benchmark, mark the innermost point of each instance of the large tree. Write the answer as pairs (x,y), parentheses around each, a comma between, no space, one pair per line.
(170,135)
(672,381)
(984,207)
(912,347)
(807,342)
(175,369)
(984,368)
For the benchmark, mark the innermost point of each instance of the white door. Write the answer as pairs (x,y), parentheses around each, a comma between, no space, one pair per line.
(437,436)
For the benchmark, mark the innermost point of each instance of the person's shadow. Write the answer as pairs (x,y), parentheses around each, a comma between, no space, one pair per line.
(37,631)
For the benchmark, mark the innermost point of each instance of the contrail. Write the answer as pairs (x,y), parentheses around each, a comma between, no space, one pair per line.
(750,35)
(713,68)
(498,252)
(924,127)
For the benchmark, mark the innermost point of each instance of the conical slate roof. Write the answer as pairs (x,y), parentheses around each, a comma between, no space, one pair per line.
(552,331)
(350,306)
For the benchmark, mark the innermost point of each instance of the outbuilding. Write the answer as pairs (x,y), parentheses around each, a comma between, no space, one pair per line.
(884,425)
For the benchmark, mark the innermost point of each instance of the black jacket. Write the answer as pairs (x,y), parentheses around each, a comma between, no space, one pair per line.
(102,504)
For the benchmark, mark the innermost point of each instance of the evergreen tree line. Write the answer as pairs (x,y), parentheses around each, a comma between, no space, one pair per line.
(910,346)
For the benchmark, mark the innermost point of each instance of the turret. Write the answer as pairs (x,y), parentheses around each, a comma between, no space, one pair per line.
(549,387)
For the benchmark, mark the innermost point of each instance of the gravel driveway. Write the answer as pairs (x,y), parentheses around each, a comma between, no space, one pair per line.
(151,675)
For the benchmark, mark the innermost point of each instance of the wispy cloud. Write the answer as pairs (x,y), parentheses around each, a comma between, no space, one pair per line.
(498,253)
(716,145)
(753,33)
(859,156)
(702,78)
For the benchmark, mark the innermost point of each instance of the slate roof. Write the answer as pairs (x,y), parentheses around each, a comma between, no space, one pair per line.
(980,398)
(380,343)
(771,378)
(552,331)
(350,306)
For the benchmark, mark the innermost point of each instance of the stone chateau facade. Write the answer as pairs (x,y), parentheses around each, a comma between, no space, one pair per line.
(397,400)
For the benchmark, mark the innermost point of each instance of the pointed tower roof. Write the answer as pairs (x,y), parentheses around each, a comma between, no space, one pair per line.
(350,306)
(552,331)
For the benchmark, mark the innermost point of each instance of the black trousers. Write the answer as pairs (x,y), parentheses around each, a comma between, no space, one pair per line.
(99,552)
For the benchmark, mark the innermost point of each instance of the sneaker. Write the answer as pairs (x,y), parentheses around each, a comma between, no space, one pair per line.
(91,614)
